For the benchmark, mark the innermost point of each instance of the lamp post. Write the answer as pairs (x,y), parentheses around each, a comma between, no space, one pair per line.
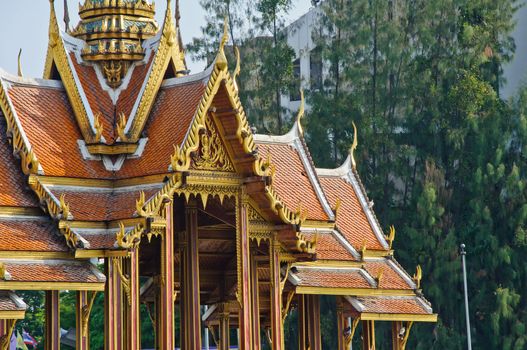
(467,314)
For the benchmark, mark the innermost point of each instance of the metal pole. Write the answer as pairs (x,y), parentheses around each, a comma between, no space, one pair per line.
(467,314)
(206,337)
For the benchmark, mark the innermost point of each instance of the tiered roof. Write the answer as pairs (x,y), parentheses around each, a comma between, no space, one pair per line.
(96,156)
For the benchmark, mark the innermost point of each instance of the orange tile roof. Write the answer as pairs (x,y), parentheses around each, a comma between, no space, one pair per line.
(8,304)
(391,279)
(128,96)
(167,126)
(320,276)
(291,180)
(51,127)
(100,240)
(14,191)
(329,248)
(351,218)
(25,234)
(101,205)
(392,305)
(100,101)
(52,271)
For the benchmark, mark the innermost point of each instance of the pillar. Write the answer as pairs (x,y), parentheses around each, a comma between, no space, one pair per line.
(190,291)
(313,322)
(400,336)
(131,314)
(52,336)
(302,322)
(82,330)
(255,298)
(165,318)
(341,325)
(277,327)
(224,330)
(368,335)
(244,278)
(113,302)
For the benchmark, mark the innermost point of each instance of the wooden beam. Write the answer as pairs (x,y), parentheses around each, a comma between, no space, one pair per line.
(52,322)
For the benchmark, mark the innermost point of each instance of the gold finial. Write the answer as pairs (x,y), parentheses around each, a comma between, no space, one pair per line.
(301,112)
(2,271)
(64,207)
(338,204)
(19,63)
(121,125)
(354,146)
(418,276)
(391,236)
(238,67)
(99,128)
(380,273)
(221,59)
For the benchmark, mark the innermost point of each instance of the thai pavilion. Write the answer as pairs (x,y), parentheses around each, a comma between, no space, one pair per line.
(124,175)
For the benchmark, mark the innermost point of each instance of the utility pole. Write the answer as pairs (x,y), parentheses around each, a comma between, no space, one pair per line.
(467,314)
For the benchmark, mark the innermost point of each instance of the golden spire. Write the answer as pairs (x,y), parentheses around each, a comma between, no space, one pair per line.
(19,63)
(114,32)
(221,59)
(301,112)
(354,146)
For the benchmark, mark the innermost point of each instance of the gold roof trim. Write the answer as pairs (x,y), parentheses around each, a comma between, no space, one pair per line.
(57,54)
(167,51)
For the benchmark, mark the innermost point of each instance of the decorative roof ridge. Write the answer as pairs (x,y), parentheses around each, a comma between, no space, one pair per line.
(19,217)
(168,49)
(191,78)
(287,139)
(20,143)
(57,53)
(18,301)
(46,83)
(396,267)
(309,165)
(342,171)
(337,235)
(123,189)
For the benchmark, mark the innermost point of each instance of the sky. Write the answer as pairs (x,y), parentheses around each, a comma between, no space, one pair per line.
(24,25)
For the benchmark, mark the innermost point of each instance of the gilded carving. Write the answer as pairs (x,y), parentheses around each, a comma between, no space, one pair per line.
(211,155)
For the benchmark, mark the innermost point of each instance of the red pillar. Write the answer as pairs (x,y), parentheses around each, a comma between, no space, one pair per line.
(132,337)
(82,330)
(52,337)
(255,302)
(313,319)
(224,329)
(165,319)
(277,331)
(341,325)
(302,322)
(112,307)
(368,335)
(244,278)
(190,290)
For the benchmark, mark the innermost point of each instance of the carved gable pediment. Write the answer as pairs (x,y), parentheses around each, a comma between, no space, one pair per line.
(211,154)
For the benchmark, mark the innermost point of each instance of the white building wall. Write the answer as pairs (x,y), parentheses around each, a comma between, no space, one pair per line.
(299,37)
(516,71)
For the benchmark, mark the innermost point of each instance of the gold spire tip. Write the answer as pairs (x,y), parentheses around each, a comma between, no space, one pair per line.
(354,146)
(20,63)
(301,112)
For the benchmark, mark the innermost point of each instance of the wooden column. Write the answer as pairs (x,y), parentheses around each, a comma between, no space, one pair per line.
(302,322)
(165,331)
(224,330)
(52,336)
(190,291)
(82,330)
(7,328)
(313,319)
(244,275)
(341,325)
(132,336)
(255,302)
(277,327)
(368,335)
(113,302)
(400,339)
